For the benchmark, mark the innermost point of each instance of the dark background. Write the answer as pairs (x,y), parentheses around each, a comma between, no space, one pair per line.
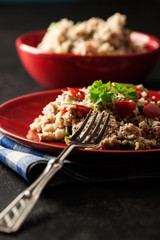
(82,211)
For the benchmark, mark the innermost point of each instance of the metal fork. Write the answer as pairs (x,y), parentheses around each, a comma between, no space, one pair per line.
(12,217)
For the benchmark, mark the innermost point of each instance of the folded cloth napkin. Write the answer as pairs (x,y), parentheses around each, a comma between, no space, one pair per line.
(21,159)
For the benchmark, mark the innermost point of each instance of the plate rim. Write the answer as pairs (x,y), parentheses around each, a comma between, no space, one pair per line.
(56,144)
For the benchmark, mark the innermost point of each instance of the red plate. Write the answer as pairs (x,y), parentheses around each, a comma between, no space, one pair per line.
(18,113)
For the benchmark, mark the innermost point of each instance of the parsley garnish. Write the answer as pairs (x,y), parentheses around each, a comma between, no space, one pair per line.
(101,93)
(130,93)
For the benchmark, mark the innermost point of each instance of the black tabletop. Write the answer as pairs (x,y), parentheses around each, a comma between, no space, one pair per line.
(77,210)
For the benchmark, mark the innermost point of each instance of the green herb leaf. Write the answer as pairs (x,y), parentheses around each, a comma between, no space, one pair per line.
(130,93)
(101,93)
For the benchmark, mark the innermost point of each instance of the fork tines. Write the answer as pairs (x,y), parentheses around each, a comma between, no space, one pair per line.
(95,130)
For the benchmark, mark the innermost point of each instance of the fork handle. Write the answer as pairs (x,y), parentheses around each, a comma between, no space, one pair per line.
(12,217)
(25,201)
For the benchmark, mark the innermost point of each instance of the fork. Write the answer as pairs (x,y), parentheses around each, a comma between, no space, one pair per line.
(12,217)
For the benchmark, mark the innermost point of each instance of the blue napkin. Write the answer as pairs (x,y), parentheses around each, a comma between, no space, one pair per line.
(19,157)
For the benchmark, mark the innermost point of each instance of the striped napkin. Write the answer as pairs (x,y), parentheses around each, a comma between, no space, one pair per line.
(19,157)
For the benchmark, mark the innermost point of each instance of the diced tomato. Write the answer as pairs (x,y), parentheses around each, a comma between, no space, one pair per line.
(83,109)
(151,110)
(125,108)
(77,93)
(80,108)
(156,97)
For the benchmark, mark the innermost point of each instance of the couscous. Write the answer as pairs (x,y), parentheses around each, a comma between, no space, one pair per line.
(134,115)
(93,36)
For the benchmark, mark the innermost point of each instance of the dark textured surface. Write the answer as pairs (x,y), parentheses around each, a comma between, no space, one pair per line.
(119,210)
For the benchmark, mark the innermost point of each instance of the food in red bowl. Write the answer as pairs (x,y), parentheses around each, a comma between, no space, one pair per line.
(82,61)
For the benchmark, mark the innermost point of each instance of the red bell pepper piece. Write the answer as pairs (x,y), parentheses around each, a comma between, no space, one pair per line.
(77,93)
(80,108)
(125,108)
(151,110)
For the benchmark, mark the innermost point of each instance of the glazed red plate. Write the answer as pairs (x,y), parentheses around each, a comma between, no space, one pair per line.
(18,113)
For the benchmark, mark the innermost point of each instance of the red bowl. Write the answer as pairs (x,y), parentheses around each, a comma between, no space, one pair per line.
(54,70)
